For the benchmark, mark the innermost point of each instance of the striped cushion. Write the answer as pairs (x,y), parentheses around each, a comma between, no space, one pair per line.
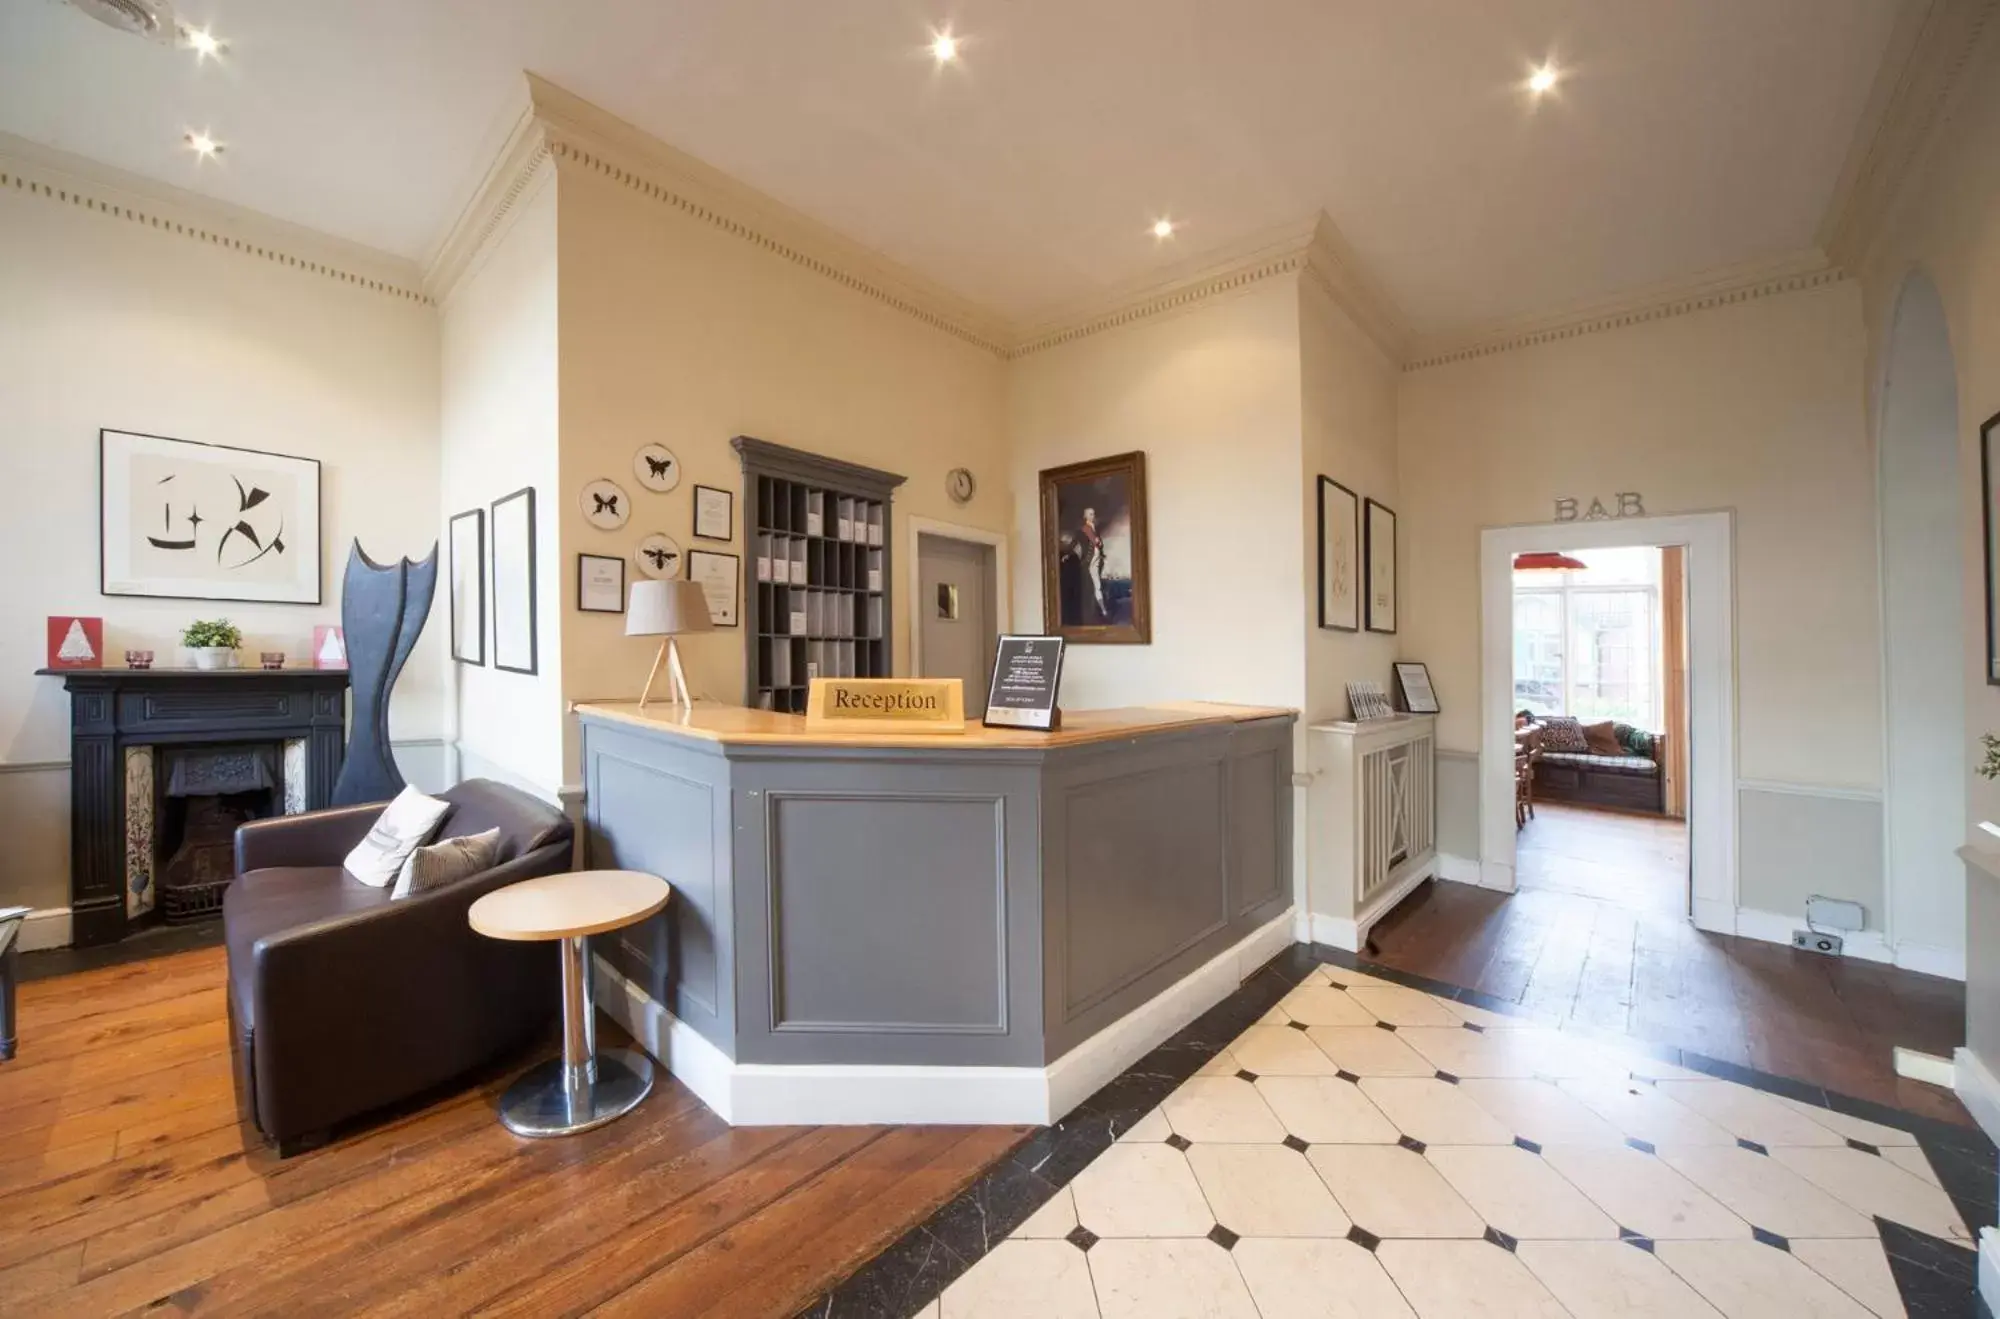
(1635,765)
(446,862)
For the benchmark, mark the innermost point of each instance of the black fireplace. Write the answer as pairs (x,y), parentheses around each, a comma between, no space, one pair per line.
(165,763)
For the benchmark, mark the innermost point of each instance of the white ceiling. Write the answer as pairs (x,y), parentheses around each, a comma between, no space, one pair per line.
(1687,135)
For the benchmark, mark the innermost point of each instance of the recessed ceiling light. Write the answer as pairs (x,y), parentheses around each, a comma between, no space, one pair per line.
(203,146)
(202,42)
(944,47)
(1163,228)
(1543,77)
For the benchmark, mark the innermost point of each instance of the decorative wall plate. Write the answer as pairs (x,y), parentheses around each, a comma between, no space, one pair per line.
(606,506)
(657,468)
(659,555)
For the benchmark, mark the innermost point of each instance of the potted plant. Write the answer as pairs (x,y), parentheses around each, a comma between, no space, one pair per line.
(212,643)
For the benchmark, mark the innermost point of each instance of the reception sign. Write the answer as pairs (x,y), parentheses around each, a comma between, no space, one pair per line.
(886,705)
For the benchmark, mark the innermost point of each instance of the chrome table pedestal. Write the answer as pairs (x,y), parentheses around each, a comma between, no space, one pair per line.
(583,1088)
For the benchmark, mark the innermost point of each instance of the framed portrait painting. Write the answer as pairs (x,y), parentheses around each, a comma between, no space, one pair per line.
(1096,586)
(1339,557)
(1378,539)
(183,520)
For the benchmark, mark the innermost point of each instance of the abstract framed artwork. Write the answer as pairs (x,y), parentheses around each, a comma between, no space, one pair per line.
(468,586)
(1096,585)
(179,519)
(1339,557)
(1378,540)
(514,648)
(1989,502)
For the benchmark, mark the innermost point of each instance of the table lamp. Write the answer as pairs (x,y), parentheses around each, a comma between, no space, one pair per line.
(667,609)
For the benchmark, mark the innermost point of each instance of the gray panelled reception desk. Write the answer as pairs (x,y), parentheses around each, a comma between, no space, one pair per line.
(903,927)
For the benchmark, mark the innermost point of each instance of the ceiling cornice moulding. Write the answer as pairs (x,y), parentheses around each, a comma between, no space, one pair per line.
(58,176)
(586,137)
(1791,274)
(522,166)
(1920,78)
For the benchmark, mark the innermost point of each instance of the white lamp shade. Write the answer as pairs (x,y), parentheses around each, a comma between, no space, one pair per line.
(665,609)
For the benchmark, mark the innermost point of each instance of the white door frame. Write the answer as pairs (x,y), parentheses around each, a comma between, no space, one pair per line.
(913,576)
(1711,614)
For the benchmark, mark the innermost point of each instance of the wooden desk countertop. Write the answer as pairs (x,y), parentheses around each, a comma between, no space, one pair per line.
(736,725)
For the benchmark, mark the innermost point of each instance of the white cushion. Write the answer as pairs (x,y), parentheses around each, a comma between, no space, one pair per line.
(446,861)
(402,828)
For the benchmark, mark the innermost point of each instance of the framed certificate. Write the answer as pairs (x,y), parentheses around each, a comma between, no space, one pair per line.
(717,574)
(1419,697)
(714,513)
(600,584)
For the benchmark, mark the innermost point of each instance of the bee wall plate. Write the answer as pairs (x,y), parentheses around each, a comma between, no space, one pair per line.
(606,506)
(659,555)
(657,468)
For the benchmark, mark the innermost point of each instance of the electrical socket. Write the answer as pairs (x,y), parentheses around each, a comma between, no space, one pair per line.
(1813,941)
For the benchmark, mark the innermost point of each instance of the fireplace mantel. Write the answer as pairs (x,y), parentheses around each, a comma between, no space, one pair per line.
(113,709)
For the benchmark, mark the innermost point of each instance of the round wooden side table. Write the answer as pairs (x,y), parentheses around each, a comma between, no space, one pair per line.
(583,1088)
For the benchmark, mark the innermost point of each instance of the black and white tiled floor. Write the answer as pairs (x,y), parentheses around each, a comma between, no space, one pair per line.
(1329,1142)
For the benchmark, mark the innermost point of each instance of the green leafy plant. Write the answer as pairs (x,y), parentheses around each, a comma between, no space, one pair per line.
(212,632)
(1990,767)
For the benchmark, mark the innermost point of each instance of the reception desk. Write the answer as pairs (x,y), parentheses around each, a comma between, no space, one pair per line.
(903,927)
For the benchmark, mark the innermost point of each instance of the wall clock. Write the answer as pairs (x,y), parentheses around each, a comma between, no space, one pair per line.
(958,483)
(606,506)
(659,556)
(657,468)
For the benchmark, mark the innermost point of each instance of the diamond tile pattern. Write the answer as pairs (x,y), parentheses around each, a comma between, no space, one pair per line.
(1358,1142)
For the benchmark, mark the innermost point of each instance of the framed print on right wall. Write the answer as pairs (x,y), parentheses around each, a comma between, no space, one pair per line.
(1339,557)
(1378,539)
(1989,503)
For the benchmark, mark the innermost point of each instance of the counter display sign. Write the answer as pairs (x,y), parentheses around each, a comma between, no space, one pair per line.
(1027,672)
(886,705)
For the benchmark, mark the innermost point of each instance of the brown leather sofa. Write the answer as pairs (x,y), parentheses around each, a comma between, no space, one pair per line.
(342,1001)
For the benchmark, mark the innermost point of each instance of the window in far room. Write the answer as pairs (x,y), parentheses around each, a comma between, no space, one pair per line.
(1587,640)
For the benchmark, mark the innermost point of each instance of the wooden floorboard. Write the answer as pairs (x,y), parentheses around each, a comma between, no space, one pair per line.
(1596,938)
(130,1185)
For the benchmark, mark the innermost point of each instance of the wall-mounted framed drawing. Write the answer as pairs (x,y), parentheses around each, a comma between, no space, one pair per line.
(1989,502)
(1096,586)
(468,586)
(178,519)
(1378,540)
(1339,557)
(514,647)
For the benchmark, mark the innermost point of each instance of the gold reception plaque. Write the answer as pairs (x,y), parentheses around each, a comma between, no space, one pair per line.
(882,705)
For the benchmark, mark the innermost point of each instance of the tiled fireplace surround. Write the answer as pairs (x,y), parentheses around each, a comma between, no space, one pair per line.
(1343,1139)
(120,718)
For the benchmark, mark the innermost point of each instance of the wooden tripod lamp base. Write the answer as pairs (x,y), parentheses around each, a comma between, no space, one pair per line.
(678,694)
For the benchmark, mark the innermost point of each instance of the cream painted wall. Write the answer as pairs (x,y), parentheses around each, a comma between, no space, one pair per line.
(1948,224)
(112,323)
(675,331)
(1348,390)
(1756,408)
(1213,396)
(499,429)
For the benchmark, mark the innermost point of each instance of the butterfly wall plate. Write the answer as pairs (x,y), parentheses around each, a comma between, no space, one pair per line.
(657,468)
(659,555)
(606,506)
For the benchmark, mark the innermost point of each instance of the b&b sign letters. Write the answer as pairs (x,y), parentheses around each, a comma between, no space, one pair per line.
(1627,504)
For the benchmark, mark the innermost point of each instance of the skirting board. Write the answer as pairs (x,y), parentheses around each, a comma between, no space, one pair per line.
(1868,945)
(762,1094)
(1351,932)
(47,928)
(1989,1267)
(1925,1067)
(1977,1089)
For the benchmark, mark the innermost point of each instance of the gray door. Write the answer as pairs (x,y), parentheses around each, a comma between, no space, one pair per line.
(955,610)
